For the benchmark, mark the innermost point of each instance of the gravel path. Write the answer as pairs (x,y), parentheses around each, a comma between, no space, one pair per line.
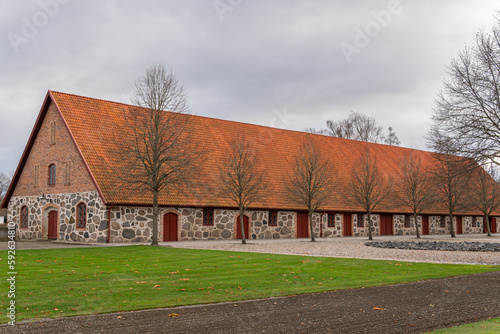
(355,248)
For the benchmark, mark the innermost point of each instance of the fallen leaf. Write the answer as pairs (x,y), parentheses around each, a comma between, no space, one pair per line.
(173,315)
(378,308)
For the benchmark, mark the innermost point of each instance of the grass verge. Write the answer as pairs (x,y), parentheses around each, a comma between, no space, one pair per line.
(66,282)
(491,326)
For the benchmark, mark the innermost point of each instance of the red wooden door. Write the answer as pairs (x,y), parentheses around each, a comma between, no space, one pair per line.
(425,224)
(347,226)
(52,227)
(170,227)
(302,226)
(246,226)
(385,225)
(459,225)
(493,226)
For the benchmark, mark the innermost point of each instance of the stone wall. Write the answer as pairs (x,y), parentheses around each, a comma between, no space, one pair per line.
(467,223)
(335,231)
(134,224)
(225,225)
(435,228)
(65,204)
(363,231)
(399,225)
(131,224)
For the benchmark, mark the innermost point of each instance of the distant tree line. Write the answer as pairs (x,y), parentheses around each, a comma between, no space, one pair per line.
(359,127)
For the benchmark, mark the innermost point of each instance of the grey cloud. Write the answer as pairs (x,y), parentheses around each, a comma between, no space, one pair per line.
(264,56)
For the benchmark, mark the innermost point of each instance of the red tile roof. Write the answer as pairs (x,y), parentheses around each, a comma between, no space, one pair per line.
(98,129)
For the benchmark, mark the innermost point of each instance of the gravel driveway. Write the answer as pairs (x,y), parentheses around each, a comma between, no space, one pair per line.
(355,248)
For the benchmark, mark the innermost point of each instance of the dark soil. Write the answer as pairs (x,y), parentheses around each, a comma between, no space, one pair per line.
(405,308)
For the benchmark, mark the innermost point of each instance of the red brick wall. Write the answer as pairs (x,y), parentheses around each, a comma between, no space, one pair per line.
(44,153)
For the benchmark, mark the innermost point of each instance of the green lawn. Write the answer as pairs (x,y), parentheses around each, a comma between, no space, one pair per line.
(66,282)
(491,326)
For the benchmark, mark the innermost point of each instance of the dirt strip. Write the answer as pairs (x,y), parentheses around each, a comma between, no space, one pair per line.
(405,308)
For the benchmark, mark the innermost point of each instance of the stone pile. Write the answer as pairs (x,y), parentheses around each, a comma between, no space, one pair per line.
(438,245)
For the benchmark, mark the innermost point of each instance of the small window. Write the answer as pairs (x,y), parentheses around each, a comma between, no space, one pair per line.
(442,223)
(361,221)
(331,220)
(81,216)
(475,221)
(208,217)
(52,175)
(24,217)
(407,221)
(273,218)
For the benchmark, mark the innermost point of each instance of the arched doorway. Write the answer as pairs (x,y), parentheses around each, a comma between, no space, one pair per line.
(246,226)
(170,227)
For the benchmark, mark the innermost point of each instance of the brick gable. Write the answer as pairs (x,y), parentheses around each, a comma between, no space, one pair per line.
(43,153)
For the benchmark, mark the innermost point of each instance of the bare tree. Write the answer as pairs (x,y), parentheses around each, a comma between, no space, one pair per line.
(414,190)
(467,112)
(311,183)
(451,177)
(358,127)
(160,156)
(4,185)
(391,138)
(486,192)
(241,179)
(368,187)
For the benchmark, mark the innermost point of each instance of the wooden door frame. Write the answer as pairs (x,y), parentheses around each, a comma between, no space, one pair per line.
(247,237)
(380,223)
(162,223)
(45,219)
(457,218)
(422,225)
(56,227)
(343,224)
(297,224)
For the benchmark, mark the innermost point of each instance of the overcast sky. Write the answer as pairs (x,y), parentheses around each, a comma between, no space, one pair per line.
(285,63)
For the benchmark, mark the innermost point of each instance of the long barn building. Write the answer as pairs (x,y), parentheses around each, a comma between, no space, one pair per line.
(65,185)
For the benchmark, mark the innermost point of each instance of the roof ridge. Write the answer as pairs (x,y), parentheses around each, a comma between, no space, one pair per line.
(248,124)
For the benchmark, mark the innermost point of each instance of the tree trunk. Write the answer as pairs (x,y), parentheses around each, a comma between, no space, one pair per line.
(242,225)
(416,224)
(487,222)
(370,236)
(311,226)
(452,228)
(155,219)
